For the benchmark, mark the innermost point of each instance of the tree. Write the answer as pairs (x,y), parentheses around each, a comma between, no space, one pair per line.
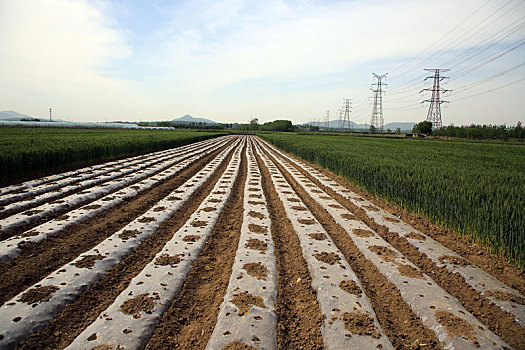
(424,127)
(372,129)
(398,131)
(254,124)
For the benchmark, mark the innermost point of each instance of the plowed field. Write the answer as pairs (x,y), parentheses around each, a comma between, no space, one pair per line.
(231,243)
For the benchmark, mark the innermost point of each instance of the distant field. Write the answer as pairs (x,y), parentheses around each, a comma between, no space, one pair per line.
(477,188)
(30,152)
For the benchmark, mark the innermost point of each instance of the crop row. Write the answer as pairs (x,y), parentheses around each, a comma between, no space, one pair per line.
(28,152)
(319,215)
(476,188)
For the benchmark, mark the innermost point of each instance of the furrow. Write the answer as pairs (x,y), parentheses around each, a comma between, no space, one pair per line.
(247,314)
(46,184)
(22,317)
(506,298)
(132,317)
(37,260)
(349,319)
(454,326)
(11,247)
(111,183)
(38,194)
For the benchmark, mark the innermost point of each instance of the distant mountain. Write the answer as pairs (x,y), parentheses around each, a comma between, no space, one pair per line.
(189,119)
(15,116)
(403,126)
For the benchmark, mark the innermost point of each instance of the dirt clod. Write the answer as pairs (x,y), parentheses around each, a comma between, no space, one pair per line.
(350,287)
(328,257)
(244,302)
(455,326)
(257,244)
(257,228)
(166,259)
(88,261)
(360,324)
(257,270)
(38,294)
(142,302)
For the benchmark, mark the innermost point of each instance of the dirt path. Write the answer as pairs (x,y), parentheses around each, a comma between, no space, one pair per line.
(170,267)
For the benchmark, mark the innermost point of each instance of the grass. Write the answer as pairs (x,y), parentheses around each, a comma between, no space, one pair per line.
(476,188)
(26,153)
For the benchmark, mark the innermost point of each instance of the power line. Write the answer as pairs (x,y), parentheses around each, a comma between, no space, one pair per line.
(488,91)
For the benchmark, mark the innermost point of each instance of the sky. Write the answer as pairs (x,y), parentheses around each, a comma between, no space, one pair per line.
(230,61)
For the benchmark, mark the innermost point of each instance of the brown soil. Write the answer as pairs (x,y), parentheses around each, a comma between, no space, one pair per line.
(237,345)
(415,235)
(454,260)
(498,321)
(360,324)
(506,297)
(317,236)
(191,238)
(256,215)
(244,302)
(38,294)
(409,271)
(199,223)
(208,209)
(476,254)
(300,319)
(384,253)
(404,329)
(127,234)
(88,261)
(350,287)
(256,202)
(91,207)
(299,208)
(256,244)
(455,326)
(79,314)
(188,322)
(306,221)
(328,258)
(348,216)
(257,228)
(166,259)
(142,302)
(257,270)
(362,233)
(38,260)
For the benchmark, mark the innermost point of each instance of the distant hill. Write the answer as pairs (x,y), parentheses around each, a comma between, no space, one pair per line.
(15,116)
(189,119)
(402,126)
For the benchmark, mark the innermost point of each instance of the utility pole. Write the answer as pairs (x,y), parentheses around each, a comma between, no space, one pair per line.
(327,120)
(346,113)
(434,109)
(340,118)
(377,109)
(50,119)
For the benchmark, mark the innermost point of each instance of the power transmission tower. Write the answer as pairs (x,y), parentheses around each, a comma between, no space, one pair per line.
(434,110)
(327,120)
(377,109)
(346,113)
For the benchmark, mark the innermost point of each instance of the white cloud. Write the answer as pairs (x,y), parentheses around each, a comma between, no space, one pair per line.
(56,53)
(225,59)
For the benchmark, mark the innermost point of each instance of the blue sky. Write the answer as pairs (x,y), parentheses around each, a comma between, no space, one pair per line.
(232,60)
